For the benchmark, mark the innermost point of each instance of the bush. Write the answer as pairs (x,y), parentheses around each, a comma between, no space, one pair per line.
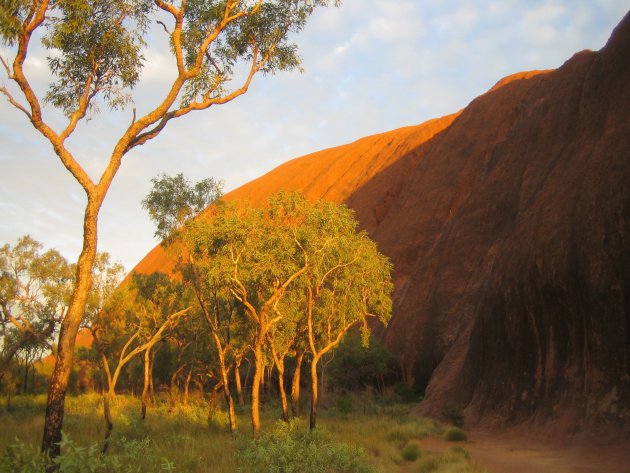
(455,460)
(413,429)
(134,457)
(455,434)
(407,393)
(453,415)
(345,405)
(290,448)
(411,452)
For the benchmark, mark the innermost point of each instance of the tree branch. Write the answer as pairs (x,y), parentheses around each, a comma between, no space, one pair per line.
(14,102)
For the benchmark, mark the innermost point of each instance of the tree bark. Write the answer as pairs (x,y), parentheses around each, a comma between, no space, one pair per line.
(213,399)
(187,385)
(258,372)
(295,386)
(145,385)
(314,393)
(237,380)
(225,379)
(55,404)
(109,424)
(151,394)
(282,391)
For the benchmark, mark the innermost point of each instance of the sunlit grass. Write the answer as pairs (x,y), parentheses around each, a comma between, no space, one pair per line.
(184,435)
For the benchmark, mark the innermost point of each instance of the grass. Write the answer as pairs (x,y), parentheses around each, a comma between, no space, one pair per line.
(382,433)
(455,434)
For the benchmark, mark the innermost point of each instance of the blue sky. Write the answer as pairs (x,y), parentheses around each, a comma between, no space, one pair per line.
(369,66)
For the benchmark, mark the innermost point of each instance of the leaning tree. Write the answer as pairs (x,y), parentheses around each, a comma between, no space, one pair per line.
(95,58)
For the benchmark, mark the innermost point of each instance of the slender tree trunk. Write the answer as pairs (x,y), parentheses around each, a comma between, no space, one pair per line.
(237,380)
(258,374)
(282,390)
(151,397)
(173,388)
(314,399)
(25,385)
(187,385)
(55,404)
(295,386)
(225,379)
(213,399)
(201,388)
(145,385)
(107,415)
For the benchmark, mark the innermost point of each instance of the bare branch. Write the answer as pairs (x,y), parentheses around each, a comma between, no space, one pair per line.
(14,102)
(6,67)
(159,22)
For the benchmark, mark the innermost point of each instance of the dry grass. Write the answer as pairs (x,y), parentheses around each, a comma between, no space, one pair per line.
(195,444)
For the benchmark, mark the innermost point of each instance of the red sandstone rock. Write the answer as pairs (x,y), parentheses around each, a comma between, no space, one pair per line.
(507,224)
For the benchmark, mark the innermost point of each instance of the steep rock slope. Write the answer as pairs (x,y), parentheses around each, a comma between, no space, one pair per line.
(508,227)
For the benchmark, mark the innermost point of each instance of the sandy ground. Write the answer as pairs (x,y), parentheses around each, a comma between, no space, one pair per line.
(519,454)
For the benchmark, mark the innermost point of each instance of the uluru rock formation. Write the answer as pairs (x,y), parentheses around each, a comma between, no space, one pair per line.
(508,226)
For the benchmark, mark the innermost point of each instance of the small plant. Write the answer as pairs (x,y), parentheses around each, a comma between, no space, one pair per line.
(455,460)
(459,451)
(133,457)
(345,405)
(411,452)
(289,448)
(455,434)
(453,415)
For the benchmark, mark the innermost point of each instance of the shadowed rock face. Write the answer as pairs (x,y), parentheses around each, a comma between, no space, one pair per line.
(507,224)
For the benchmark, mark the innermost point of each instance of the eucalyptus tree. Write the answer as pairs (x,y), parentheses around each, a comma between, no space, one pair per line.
(96,54)
(34,294)
(133,321)
(259,254)
(347,282)
(282,341)
(171,203)
(215,305)
(173,200)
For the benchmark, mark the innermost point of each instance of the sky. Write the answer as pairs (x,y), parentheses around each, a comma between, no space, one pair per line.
(369,66)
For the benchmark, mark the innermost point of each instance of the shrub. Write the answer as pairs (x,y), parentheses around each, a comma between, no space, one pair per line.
(415,428)
(459,451)
(290,448)
(345,405)
(453,415)
(134,457)
(455,434)
(411,452)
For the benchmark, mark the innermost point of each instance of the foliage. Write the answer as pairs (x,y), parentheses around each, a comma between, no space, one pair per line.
(455,434)
(175,199)
(194,444)
(454,415)
(356,366)
(410,452)
(290,448)
(410,428)
(34,294)
(134,456)
(454,460)
(407,393)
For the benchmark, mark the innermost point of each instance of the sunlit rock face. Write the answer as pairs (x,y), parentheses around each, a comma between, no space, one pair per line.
(508,227)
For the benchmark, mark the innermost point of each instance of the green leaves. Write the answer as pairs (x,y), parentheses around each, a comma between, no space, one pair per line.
(96,49)
(174,200)
(12,14)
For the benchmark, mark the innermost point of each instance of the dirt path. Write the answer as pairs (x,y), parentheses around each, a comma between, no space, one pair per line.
(513,454)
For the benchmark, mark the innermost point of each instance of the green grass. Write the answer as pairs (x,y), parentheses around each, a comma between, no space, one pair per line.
(455,460)
(381,435)
(455,434)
